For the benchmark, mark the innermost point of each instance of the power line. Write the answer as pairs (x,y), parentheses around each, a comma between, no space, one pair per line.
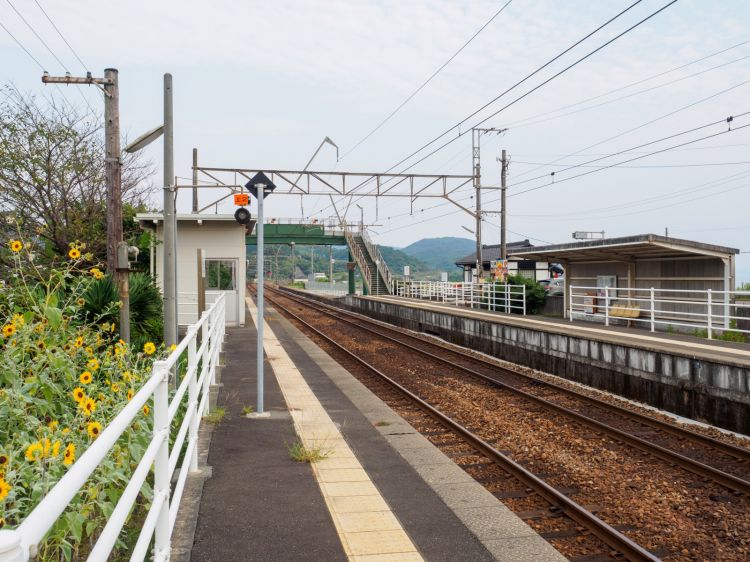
(433,75)
(631,149)
(61,35)
(518,83)
(700,165)
(37,35)
(629,160)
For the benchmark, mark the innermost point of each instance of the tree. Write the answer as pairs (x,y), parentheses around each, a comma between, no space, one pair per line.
(52,173)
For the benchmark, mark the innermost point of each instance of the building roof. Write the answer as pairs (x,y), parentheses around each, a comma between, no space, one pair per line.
(626,248)
(150,220)
(492,252)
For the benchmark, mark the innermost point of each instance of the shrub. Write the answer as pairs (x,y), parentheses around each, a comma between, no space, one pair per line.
(535,294)
(64,375)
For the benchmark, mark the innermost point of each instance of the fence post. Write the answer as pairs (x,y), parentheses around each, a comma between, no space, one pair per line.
(708,316)
(653,320)
(570,304)
(193,394)
(606,306)
(524,300)
(206,356)
(507,298)
(161,462)
(10,547)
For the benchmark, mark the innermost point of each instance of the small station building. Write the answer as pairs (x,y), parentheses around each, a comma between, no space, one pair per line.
(529,268)
(222,242)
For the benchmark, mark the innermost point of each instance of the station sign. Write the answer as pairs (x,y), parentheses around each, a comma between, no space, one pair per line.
(241,199)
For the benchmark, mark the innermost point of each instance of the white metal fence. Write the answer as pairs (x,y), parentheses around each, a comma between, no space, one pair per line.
(20,544)
(678,308)
(338,289)
(490,296)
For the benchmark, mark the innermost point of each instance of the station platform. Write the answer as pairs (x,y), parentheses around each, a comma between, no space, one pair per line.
(710,350)
(383,492)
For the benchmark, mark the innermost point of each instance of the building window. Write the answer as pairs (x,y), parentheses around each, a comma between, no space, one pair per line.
(221,275)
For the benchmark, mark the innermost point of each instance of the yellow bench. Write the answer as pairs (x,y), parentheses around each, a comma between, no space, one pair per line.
(625,311)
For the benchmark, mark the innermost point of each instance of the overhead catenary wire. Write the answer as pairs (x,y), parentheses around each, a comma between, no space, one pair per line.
(427,81)
(518,83)
(72,50)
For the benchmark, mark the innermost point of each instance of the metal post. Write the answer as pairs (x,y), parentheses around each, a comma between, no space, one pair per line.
(124,288)
(193,395)
(259,350)
(161,462)
(294,265)
(503,189)
(169,282)
(205,357)
(708,316)
(653,323)
(570,301)
(201,267)
(606,306)
(330,265)
(727,289)
(195,180)
(524,300)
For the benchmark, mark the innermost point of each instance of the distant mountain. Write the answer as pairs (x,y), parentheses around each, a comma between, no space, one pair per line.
(440,253)
(397,259)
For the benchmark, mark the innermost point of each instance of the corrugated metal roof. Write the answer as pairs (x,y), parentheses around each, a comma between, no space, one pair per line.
(492,252)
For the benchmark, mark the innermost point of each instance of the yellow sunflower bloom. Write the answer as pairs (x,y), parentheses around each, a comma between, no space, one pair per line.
(56,448)
(4,489)
(146,409)
(130,395)
(115,387)
(149,348)
(16,246)
(85,377)
(94,429)
(53,425)
(80,301)
(79,341)
(3,460)
(9,330)
(18,320)
(34,452)
(69,455)
(88,406)
(93,364)
(78,394)
(74,253)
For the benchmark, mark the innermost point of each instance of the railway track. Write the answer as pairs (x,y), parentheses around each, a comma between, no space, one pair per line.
(645,430)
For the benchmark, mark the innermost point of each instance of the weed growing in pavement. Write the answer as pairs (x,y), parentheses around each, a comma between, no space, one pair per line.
(382,424)
(299,453)
(247,410)
(216,416)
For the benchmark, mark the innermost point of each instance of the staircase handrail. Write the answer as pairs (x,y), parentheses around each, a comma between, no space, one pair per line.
(358,256)
(380,263)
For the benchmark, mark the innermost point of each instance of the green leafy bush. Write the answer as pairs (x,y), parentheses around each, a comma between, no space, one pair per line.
(535,295)
(64,375)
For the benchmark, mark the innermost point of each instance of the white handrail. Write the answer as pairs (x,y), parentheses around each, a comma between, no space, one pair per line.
(707,309)
(18,545)
(490,296)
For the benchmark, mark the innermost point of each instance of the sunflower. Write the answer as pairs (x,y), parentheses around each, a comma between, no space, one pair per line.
(69,455)
(74,253)
(3,460)
(4,489)
(93,364)
(16,246)
(146,409)
(94,429)
(115,387)
(56,448)
(126,376)
(9,330)
(79,341)
(34,452)
(85,377)
(78,394)
(149,348)
(80,301)
(88,406)
(47,447)
(53,425)
(97,273)
(19,320)
(130,395)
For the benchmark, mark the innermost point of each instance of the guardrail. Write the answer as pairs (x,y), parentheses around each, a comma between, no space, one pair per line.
(377,257)
(359,257)
(339,289)
(20,544)
(687,308)
(490,296)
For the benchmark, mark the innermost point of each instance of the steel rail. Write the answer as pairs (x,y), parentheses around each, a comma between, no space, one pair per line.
(683,433)
(672,457)
(613,538)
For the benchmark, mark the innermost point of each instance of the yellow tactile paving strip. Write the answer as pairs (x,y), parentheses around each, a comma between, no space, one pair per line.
(368,529)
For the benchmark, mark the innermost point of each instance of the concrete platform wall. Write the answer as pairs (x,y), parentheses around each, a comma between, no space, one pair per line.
(699,389)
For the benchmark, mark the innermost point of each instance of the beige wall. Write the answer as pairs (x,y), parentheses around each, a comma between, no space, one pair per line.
(218,239)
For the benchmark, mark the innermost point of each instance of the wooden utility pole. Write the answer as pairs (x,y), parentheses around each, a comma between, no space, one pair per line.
(503,189)
(112,164)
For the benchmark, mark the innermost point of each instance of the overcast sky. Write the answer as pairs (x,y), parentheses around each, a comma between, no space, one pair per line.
(259,84)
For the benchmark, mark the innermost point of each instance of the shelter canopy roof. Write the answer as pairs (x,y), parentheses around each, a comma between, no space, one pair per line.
(627,249)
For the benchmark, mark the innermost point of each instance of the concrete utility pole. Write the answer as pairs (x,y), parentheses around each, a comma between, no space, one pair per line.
(503,189)
(169,283)
(109,85)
